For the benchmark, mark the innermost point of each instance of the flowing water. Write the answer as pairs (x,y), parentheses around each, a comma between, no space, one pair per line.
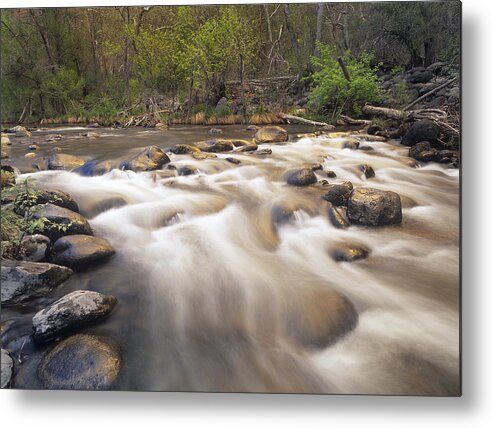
(222,275)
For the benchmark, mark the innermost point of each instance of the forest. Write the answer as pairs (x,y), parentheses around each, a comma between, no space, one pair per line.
(86,64)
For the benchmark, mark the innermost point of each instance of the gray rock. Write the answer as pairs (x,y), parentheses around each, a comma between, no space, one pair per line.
(61,161)
(54,197)
(149,159)
(331,174)
(422,130)
(183,149)
(223,102)
(81,362)
(374,207)
(22,281)
(70,313)
(351,144)
(233,161)
(215,146)
(35,248)
(337,218)
(338,194)
(423,152)
(215,131)
(79,252)
(263,152)
(367,170)
(33,147)
(72,222)
(7,369)
(271,134)
(301,177)
(187,170)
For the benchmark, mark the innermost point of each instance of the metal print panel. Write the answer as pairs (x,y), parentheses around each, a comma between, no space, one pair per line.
(237,198)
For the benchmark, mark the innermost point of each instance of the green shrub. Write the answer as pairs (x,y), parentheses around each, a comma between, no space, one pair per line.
(401,94)
(332,94)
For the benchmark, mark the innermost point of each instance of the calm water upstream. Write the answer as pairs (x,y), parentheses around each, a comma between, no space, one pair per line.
(208,282)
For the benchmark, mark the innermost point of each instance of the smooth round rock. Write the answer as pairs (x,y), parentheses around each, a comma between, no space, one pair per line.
(422,130)
(149,159)
(81,362)
(271,134)
(61,161)
(79,252)
(301,177)
(7,369)
(338,194)
(35,248)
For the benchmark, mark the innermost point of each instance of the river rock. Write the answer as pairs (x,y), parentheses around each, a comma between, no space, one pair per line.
(373,129)
(22,280)
(367,170)
(263,152)
(7,369)
(331,174)
(61,161)
(35,248)
(187,170)
(423,152)
(81,362)
(33,147)
(202,155)
(73,222)
(183,149)
(351,144)
(349,253)
(337,219)
(320,317)
(5,140)
(30,155)
(422,130)
(247,148)
(301,177)
(215,131)
(81,251)
(233,161)
(70,313)
(271,134)
(215,146)
(51,196)
(338,194)
(374,207)
(149,159)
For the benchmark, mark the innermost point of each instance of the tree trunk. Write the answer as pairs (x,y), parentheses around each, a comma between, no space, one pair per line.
(320,20)
(294,38)
(430,51)
(344,69)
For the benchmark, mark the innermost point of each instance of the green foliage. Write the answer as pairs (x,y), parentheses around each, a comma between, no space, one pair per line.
(402,96)
(223,111)
(332,94)
(396,70)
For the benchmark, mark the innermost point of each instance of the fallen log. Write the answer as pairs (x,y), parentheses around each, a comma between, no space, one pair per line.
(346,120)
(389,113)
(296,119)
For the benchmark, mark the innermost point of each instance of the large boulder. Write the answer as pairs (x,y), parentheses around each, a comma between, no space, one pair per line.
(35,248)
(338,194)
(70,313)
(50,196)
(423,152)
(22,281)
(66,222)
(149,159)
(81,251)
(421,76)
(301,177)
(374,207)
(7,369)
(422,130)
(319,317)
(81,362)
(64,161)
(271,134)
(215,146)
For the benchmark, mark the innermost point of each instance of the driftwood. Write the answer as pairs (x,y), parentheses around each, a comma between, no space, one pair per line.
(436,115)
(138,120)
(346,120)
(422,97)
(295,119)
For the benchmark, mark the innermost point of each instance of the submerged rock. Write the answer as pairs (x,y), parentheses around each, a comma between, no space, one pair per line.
(233,161)
(374,207)
(22,281)
(61,161)
(247,148)
(81,251)
(70,313)
(349,253)
(81,362)
(301,177)
(35,248)
(320,317)
(66,222)
(271,134)
(187,170)
(215,146)
(7,369)
(263,152)
(331,174)
(422,130)
(201,155)
(149,159)
(367,170)
(351,144)
(338,194)
(337,218)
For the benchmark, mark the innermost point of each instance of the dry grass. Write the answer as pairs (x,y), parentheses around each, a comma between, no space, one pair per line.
(198,118)
(231,119)
(265,119)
